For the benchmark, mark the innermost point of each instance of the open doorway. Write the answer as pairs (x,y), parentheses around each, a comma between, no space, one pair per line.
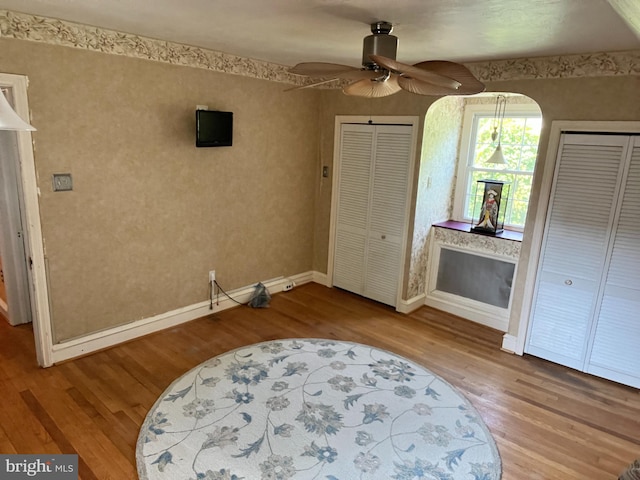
(21,244)
(14,275)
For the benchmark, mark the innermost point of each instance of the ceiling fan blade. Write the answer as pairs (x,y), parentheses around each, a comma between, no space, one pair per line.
(414,72)
(309,85)
(351,75)
(373,88)
(321,69)
(419,87)
(469,84)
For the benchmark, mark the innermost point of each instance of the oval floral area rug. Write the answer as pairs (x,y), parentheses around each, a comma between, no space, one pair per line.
(314,409)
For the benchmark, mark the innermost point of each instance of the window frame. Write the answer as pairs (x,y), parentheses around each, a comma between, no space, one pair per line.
(465,157)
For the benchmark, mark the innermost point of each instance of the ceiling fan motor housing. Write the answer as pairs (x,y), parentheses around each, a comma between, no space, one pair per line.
(380,43)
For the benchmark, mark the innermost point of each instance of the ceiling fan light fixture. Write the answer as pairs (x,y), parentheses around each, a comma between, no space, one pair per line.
(373,88)
(434,77)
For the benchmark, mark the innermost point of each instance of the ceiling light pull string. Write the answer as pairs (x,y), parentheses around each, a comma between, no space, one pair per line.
(498,117)
(502,105)
(494,134)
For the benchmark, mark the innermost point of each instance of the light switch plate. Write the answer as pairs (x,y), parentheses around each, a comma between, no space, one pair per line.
(62,182)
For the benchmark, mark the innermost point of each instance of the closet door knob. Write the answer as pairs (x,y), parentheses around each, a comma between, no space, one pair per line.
(383,237)
(568,282)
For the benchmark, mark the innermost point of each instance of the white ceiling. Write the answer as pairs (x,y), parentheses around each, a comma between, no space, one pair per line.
(291,31)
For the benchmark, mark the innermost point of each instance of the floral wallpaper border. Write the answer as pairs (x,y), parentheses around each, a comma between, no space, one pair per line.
(600,64)
(474,241)
(58,32)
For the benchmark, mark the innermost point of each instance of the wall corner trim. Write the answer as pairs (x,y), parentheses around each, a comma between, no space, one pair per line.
(509,343)
(412,304)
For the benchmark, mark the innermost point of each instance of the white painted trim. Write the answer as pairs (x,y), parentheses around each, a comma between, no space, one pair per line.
(411,305)
(414,122)
(301,279)
(114,336)
(478,312)
(35,247)
(616,376)
(557,127)
(321,278)
(509,343)
(4,308)
(465,157)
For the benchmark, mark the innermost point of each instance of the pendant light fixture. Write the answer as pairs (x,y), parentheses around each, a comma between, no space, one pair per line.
(9,119)
(498,117)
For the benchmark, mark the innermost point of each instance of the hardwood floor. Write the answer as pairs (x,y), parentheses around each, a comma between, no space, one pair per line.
(549,422)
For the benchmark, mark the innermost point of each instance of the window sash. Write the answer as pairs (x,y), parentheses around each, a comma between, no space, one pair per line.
(465,187)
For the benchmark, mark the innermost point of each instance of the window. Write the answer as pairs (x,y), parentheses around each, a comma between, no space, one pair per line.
(520,137)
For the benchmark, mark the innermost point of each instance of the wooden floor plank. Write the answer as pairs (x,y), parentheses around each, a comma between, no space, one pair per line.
(549,422)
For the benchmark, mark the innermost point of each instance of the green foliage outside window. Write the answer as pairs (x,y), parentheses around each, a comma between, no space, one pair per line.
(519,140)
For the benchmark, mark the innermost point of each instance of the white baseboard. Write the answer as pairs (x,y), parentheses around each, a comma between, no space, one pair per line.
(4,309)
(411,305)
(113,336)
(481,313)
(509,343)
(322,279)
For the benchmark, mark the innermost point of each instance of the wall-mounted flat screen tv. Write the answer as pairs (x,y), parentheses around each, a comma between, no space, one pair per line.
(214,128)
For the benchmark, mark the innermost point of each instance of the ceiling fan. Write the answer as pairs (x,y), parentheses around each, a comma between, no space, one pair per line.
(382,75)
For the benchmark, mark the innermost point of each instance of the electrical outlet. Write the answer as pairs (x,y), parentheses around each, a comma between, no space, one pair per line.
(289,284)
(212,276)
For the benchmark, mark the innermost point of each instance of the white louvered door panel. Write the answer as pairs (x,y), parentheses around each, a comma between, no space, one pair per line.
(375,162)
(616,344)
(575,245)
(356,152)
(392,158)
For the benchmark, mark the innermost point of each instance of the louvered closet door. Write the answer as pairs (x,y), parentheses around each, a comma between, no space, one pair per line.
(392,156)
(370,220)
(352,220)
(576,238)
(616,345)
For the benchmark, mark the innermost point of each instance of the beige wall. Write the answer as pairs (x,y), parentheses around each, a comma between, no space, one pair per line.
(151,214)
(436,182)
(590,98)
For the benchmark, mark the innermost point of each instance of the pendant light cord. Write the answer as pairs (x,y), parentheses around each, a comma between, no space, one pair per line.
(501,105)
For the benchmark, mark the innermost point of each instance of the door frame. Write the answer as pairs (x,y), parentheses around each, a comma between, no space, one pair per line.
(516,343)
(414,122)
(32,229)
(13,237)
